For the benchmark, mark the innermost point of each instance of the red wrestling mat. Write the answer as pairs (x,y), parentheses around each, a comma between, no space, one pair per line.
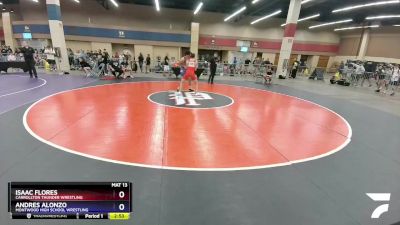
(224,128)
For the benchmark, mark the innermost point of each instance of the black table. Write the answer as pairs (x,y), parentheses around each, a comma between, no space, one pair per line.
(4,66)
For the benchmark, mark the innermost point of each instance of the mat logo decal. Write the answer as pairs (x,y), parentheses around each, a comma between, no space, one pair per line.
(379,197)
(191,100)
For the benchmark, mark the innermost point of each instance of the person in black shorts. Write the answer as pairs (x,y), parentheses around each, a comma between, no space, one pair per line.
(29,53)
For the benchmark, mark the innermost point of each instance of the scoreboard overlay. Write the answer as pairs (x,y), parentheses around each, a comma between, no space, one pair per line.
(70,200)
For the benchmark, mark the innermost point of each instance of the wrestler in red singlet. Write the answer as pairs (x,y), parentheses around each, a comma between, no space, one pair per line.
(191,66)
(190,74)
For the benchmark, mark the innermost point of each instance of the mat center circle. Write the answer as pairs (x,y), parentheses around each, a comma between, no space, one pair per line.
(141,124)
(191,100)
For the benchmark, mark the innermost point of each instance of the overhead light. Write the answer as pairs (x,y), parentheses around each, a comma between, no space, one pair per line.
(305,18)
(235,13)
(1,3)
(305,1)
(366,5)
(198,8)
(353,28)
(382,17)
(157,5)
(35,0)
(309,17)
(397,25)
(331,23)
(4,8)
(77,1)
(266,17)
(114,3)
(255,1)
(12,10)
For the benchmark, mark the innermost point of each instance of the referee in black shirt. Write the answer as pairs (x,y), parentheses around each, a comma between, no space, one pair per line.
(28,53)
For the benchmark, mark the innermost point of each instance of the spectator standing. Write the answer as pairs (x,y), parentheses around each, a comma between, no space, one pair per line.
(70,56)
(105,59)
(29,54)
(148,62)
(166,65)
(359,72)
(341,68)
(134,65)
(166,60)
(121,58)
(295,67)
(141,59)
(256,65)
(159,61)
(126,55)
(394,80)
(79,54)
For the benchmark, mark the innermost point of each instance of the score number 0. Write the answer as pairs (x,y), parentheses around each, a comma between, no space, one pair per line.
(121,195)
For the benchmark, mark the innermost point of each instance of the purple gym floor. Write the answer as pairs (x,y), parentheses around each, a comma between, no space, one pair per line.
(19,89)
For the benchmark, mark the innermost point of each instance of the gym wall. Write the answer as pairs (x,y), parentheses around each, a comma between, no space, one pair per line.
(101,46)
(144,49)
(349,45)
(270,56)
(79,45)
(136,17)
(161,51)
(384,45)
(90,14)
(121,49)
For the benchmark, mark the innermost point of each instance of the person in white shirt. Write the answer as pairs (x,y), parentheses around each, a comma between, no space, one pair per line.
(394,80)
(50,56)
(11,58)
(359,72)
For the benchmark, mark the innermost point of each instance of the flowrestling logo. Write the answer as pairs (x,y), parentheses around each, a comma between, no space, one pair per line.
(191,100)
(382,198)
